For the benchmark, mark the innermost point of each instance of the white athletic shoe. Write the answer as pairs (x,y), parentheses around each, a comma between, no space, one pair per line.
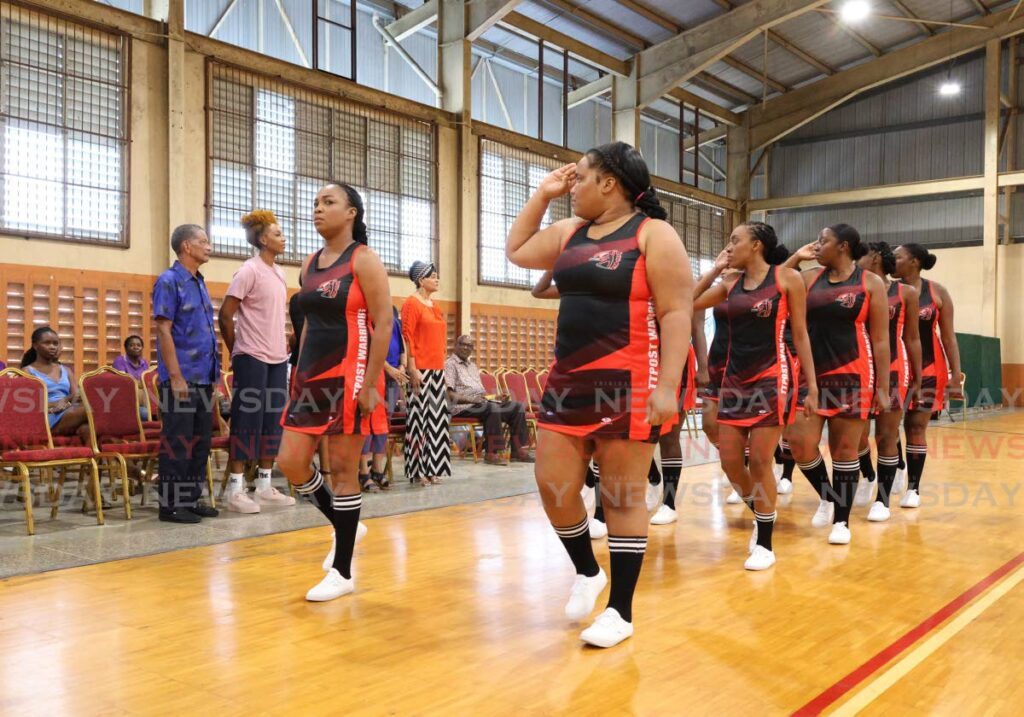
(240,502)
(899,483)
(584,595)
(840,534)
(361,531)
(734,498)
(777,470)
(331,587)
(785,486)
(664,516)
(911,499)
(822,516)
(589,499)
(878,513)
(760,559)
(654,493)
(753,540)
(608,630)
(598,530)
(864,490)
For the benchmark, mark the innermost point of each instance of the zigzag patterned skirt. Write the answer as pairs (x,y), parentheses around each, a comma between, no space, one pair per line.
(428,448)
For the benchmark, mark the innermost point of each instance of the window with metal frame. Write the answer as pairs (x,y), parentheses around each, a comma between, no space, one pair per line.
(272,146)
(508,176)
(700,225)
(64,124)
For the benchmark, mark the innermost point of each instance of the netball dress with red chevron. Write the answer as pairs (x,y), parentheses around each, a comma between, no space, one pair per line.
(758,379)
(335,344)
(899,367)
(934,364)
(837,325)
(607,347)
(716,354)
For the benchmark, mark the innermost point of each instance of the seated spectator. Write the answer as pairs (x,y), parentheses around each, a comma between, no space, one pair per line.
(132,362)
(373,461)
(67,414)
(466,392)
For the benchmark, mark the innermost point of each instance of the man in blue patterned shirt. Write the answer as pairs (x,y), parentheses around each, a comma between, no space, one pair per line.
(188,365)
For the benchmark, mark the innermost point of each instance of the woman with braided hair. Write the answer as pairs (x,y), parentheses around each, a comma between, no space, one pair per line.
(623,330)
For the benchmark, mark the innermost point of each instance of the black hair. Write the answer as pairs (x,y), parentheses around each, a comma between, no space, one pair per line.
(30,356)
(133,336)
(774,253)
(182,234)
(355,200)
(924,257)
(851,237)
(628,166)
(885,252)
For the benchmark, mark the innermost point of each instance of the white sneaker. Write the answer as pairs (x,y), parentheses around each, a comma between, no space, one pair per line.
(361,531)
(899,483)
(664,516)
(822,516)
(608,630)
(654,493)
(753,539)
(785,486)
(272,496)
(734,498)
(777,470)
(878,513)
(864,490)
(240,502)
(598,530)
(760,559)
(589,500)
(911,499)
(840,534)
(584,595)
(331,587)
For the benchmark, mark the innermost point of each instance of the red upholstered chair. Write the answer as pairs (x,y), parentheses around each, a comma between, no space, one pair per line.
(115,430)
(490,383)
(26,443)
(151,390)
(520,393)
(534,387)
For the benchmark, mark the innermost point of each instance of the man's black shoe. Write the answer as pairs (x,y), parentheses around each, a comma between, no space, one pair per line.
(181,515)
(204,511)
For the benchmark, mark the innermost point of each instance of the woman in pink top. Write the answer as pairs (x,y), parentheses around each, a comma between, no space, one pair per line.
(252,324)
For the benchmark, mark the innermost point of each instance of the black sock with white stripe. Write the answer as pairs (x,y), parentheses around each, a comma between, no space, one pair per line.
(318,493)
(817,475)
(589,479)
(346,521)
(671,469)
(576,539)
(627,557)
(653,474)
(765,525)
(598,503)
(746,456)
(887,466)
(844,484)
(899,454)
(866,469)
(916,456)
(788,464)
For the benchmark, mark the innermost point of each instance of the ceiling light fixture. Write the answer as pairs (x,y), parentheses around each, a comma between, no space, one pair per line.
(854,11)
(949,88)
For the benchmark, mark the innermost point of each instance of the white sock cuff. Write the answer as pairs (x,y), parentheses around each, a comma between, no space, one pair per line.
(618,544)
(813,464)
(573,531)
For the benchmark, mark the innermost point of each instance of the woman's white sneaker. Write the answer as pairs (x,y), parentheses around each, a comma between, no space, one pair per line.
(331,587)
(584,595)
(864,490)
(653,496)
(734,498)
(760,559)
(785,486)
(753,539)
(823,515)
(910,499)
(361,531)
(664,516)
(608,630)
(598,530)
(878,513)
(840,534)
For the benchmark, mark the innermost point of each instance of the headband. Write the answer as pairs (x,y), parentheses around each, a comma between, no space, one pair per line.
(419,273)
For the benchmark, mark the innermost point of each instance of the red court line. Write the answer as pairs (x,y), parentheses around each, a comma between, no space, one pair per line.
(843,686)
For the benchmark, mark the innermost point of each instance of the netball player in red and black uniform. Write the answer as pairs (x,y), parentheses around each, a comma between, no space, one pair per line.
(757,392)
(338,387)
(904,372)
(623,326)
(940,361)
(848,324)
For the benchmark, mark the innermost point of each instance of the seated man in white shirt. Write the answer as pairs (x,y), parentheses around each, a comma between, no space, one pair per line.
(468,398)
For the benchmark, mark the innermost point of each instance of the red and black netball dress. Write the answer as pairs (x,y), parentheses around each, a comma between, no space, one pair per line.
(607,346)
(716,354)
(688,386)
(899,367)
(332,355)
(758,380)
(934,364)
(837,325)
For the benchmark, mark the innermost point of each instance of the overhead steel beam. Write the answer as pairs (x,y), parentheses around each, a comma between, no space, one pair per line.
(706,137)
(413,21)
(589,91)
(481,15)
(706,107)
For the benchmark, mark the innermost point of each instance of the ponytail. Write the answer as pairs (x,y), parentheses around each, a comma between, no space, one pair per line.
(884,252)
(356,201)
(924,257)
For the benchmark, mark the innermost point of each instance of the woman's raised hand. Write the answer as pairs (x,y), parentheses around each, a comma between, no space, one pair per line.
(558,183)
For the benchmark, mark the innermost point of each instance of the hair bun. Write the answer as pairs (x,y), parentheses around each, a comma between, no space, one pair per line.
(778,254)
(258,218)
(929,261)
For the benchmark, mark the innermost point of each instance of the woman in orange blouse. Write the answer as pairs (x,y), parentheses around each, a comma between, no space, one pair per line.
(427,444)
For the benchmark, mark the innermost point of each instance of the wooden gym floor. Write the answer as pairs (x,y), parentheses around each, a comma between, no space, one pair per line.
(459,611)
